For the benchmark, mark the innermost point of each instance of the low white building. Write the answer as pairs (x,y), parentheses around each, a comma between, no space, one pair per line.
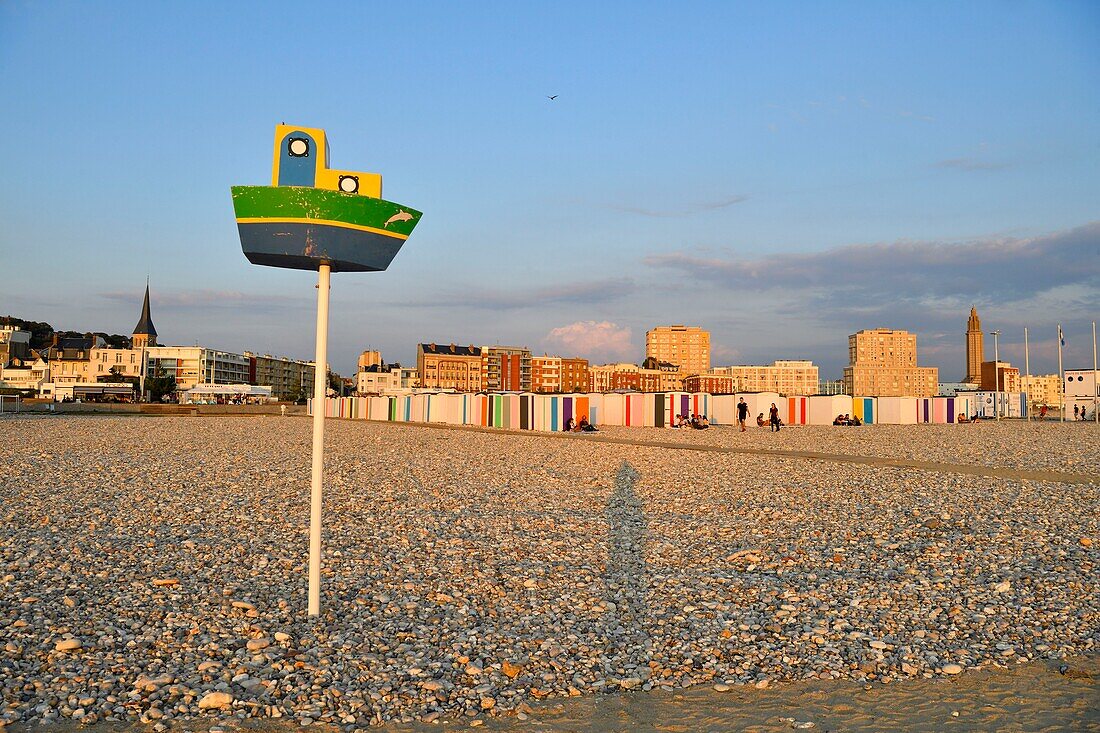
(1082,392)
(379,379)
(29,375)
(89,391)
(209,394)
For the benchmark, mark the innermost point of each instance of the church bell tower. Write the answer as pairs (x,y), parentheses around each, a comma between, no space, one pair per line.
(145,333)
(974,345)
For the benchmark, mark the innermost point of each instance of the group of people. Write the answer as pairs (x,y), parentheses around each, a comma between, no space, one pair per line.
(773,417)
(697,422)
(572,426)
(847,419)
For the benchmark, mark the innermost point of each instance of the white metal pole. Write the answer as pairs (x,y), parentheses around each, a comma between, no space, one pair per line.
(1061,377)
(997,374)
(1095,384)
(1027,379)
(319,380)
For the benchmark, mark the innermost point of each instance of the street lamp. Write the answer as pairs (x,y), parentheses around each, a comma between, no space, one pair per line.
(997,372)
(314,218)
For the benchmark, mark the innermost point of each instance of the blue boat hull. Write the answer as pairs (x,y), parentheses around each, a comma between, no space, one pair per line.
(301,245)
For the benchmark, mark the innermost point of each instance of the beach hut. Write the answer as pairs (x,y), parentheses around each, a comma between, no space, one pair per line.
(899,410)
(963,405)
(436,410)
(798,411)
(418,408)
(701,404)
(1009,404)
(723,409)
(864,409)
(526,411)
(634,406)
(761,402)
(472,407)
(542,413)
(612,409)
(825,408)
(595,408)
(581,406)
(554,420)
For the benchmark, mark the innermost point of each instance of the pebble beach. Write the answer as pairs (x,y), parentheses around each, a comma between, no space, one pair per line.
(152,570)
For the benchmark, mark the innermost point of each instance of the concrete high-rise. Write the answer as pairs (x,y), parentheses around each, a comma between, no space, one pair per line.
(688,347)
(883,363)
(974,344)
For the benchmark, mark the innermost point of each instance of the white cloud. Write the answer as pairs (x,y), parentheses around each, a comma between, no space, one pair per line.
(598,340)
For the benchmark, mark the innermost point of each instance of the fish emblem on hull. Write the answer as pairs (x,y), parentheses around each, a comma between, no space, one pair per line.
(399,216)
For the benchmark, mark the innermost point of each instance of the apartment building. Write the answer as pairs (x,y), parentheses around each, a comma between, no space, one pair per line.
(883,363)
(288,378)
(370,357)
(688,347)
(449,367)
(546,374)
(506,368)
(1000,376)
(574,375)
(194,365)
(785,376)
(712,383)
(1042,390)
(623,376)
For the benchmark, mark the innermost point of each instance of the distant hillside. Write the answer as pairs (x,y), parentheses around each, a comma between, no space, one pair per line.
(42,333)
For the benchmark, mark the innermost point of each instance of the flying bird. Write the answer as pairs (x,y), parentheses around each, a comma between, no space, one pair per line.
(553,97)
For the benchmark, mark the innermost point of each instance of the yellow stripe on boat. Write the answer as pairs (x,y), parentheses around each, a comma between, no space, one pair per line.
(327,222)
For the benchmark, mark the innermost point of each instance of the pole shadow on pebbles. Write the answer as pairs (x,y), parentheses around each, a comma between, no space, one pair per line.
(626,580)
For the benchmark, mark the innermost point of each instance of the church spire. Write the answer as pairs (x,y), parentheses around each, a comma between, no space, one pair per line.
(145,333)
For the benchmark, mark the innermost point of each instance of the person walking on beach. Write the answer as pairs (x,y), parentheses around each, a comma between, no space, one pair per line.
(742,413)
(773,415)
(1076,415)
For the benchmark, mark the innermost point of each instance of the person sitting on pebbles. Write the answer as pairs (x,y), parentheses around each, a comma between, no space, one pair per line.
(587,427)
(760,420)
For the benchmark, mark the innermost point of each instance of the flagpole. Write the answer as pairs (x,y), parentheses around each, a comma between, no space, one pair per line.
(1027,379)
(1095,384)
(1061,377)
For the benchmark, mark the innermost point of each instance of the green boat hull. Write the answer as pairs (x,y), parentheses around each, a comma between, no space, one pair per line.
(300,228)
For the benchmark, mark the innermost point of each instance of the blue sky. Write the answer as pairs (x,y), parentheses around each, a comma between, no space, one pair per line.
(782,174)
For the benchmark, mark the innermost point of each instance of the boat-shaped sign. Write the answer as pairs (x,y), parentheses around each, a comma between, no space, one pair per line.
(312,214)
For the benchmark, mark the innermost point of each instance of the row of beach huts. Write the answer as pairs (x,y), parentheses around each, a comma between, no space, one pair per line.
(528,411)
